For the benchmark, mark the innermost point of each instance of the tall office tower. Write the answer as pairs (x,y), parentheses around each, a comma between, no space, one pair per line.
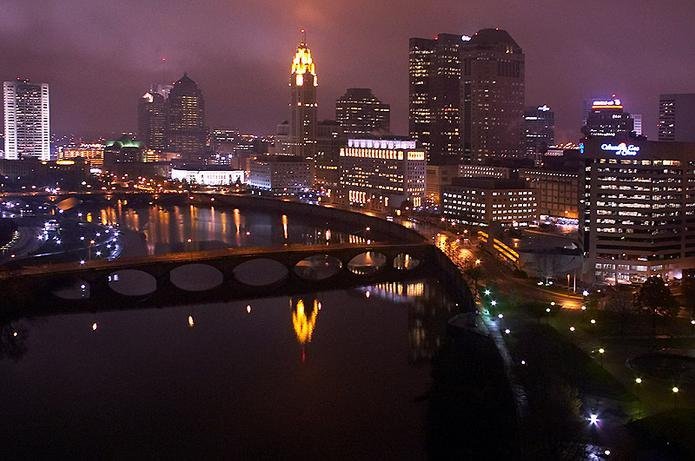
(186,131)
(492,94)
(152,120)
(538,129)
(636,209)
(360,113)
(677,117)
(27,122)
(330,137)
(420,57)
(637,124)
(435,96)
(608,118)
(303,105)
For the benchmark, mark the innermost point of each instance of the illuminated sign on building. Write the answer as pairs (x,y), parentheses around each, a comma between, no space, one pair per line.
(607,104)
(381,143)
(544,108)
(621,149)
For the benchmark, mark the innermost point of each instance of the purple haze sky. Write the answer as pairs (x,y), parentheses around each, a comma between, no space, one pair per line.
(100,56)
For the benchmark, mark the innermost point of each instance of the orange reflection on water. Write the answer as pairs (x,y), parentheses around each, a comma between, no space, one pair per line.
(304,322)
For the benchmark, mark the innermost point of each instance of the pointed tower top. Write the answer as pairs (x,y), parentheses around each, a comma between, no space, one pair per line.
(303,32)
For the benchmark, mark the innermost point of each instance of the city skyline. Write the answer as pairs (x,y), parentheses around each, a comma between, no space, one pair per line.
(243,74)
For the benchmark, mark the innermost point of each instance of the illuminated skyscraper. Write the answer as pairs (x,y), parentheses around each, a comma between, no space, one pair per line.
(186,130)
(27,122)
(152,120)
(435,99)
(607,118)
(492,95)
(360,113)
(677,117)
(303,106)
(538,129)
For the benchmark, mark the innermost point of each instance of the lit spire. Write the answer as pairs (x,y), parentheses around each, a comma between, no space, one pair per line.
(302,63)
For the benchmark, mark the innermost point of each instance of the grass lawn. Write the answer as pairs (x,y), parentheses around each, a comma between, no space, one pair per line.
(548,351)
(673,431)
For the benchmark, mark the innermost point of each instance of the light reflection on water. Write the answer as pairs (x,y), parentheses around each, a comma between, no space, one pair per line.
(286,374)
(167,229)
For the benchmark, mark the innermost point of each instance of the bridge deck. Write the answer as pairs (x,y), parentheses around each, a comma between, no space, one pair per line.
(204,256)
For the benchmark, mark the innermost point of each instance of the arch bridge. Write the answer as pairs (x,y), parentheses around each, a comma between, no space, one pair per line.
(218,276)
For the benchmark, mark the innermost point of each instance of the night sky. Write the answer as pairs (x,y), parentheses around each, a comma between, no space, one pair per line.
(100,56)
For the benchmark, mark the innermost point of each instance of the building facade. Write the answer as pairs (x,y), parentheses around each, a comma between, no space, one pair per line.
(186,129)
(492,96)
(382,174)
(92,153)
(207,175)
(437,176)
(637,213)
(538,129)
(303,103)
(360,113)
(677,117)
(27,120)
(329,139)
(607,118)
(486,202)
(152,120)
(434,118)
(475,170)
(557,191)
(280,175)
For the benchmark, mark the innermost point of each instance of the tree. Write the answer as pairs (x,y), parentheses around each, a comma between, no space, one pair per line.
(620,299)
(688,288)
(657,298)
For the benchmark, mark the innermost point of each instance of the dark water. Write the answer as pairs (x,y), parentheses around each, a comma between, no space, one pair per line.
(338,374)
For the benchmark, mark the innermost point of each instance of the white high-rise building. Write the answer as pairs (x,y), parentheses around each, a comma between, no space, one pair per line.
(27,121)
(637,118)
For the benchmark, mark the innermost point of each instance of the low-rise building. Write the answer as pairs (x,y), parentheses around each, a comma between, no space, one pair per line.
(489,201)
(92,153)
(557,191)
(477,170)
(207,175)
(280,174)
(436,177)
(382,174)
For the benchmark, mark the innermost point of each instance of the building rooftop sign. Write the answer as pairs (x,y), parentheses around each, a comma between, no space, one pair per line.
(607,104)
(381,143)
(621,149)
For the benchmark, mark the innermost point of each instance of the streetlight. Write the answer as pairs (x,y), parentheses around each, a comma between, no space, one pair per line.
(572,329)
(493,303)
(675,392)
(638,380)
(593,321)
(487,293)
(507,331)
(593,419)
(601,351)
(477,262)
